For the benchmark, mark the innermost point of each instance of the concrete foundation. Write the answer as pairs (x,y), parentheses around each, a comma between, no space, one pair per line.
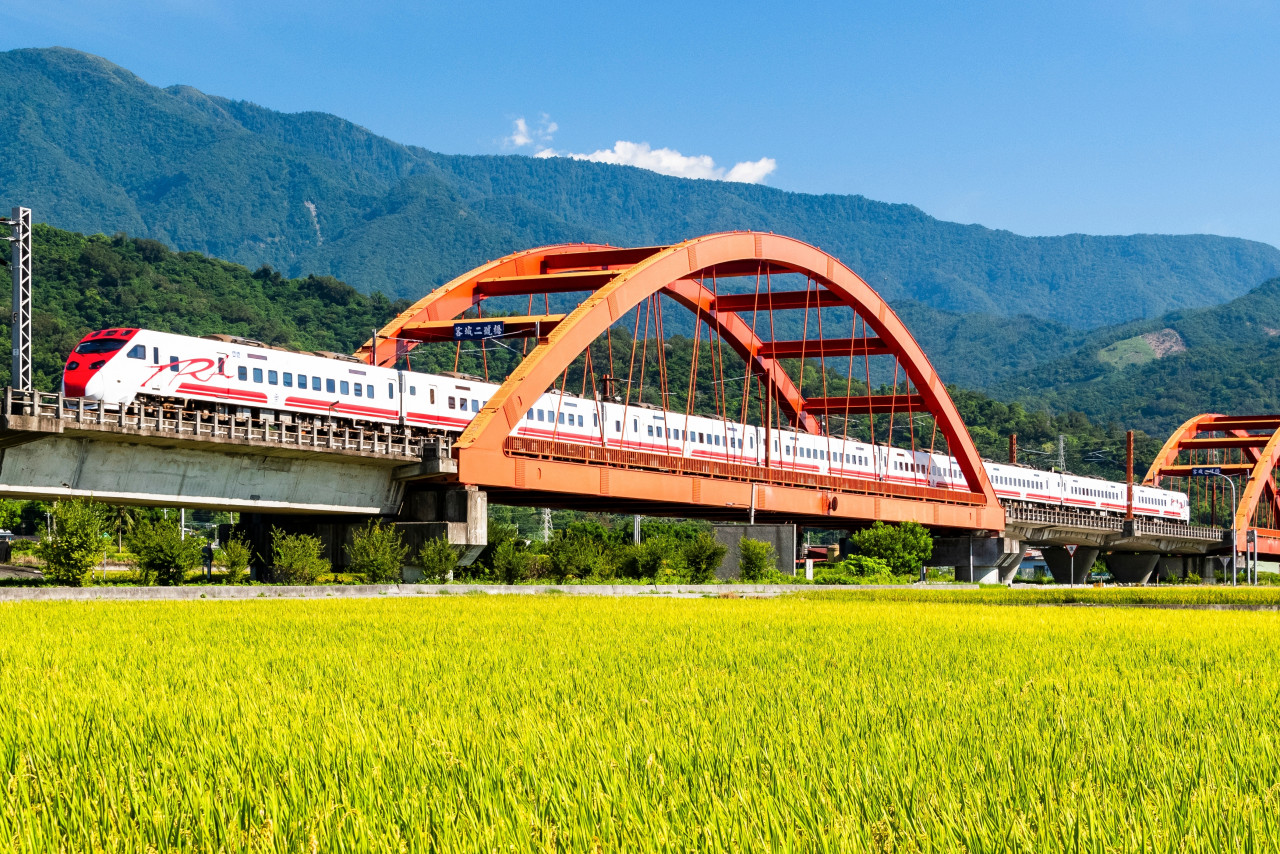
(1060,563)
(982,560)
(782,537)
(1131,567)
(459,514)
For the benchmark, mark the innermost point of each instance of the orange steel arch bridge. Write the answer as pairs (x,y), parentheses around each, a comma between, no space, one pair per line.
(1244,449)
(589,320)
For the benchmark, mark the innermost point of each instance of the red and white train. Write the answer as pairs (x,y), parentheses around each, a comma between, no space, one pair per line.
(118,366)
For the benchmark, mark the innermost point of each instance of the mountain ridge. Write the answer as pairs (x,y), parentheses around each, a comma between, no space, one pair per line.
(96,148)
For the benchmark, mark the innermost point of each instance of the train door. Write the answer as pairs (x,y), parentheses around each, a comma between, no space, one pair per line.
(400,406)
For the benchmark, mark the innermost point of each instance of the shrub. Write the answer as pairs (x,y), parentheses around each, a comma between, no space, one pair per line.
(162,555)
(904,547)
(512,563)
(757,558)
(438,560)
(856,569)
(234,557)
(377,553)
(296,558)
(574,555)
(703,556)
(76,546)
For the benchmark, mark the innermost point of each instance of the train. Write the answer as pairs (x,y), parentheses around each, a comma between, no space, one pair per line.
(119,366)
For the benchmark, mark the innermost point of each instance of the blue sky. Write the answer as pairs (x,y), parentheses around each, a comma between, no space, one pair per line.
(1042,118)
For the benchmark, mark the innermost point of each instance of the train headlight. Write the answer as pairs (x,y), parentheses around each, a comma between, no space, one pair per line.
(71,366)
(97,364)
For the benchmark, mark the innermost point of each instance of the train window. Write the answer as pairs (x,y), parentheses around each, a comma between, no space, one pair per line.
(222,365)
(391,390)
(138,351)
(751,441)
(155,355)
(242,373)
(595,419)
(717,441)
(475,404)
(560,418)
(453,404)
(257,375)
(529,415)
(581,421)
(702,438)
(273,378)
(617,426)
(359,390)
(315,383)
(788,449)
(288,380)
(345,386)
(368,391)
(650,426)
(330,386)
(173,364)
(635,425)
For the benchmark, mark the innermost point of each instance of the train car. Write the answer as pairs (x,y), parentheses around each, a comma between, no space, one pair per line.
(120,365)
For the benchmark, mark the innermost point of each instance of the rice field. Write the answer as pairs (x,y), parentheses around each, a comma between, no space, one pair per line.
(552,723)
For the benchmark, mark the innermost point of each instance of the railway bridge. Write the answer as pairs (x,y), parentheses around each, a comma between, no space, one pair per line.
(783,335)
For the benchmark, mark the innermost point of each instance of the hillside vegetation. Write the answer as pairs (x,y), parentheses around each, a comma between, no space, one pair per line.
(91,147)
(1157,373)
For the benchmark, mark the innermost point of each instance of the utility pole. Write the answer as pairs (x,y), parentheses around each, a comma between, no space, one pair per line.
(20,242)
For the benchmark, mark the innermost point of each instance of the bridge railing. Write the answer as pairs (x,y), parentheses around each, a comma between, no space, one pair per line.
(1086,521)
(149,419)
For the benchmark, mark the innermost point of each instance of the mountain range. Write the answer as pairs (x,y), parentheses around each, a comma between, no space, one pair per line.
(1140,330)
(93,148)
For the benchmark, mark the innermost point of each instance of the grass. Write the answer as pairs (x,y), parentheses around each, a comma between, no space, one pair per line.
(558,723)
(1130,351)
(1179,594)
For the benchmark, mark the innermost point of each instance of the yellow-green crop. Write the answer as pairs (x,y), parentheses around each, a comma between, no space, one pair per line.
(566,723)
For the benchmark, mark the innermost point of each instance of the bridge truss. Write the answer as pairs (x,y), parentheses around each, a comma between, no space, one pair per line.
(592,321)
(1244,449)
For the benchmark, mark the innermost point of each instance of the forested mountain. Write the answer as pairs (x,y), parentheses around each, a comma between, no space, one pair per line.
(91,147)
(1155,374)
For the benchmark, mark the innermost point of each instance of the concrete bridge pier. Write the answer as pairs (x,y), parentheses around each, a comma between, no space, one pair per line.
(982,560)
(1131,567)
(1060,563)
(457,513)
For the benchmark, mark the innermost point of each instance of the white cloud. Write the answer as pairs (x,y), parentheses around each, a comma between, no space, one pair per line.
(665,161)
(523,135)
(668,161)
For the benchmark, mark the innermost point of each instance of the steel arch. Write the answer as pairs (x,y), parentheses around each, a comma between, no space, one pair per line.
(622,279)
(1257,437)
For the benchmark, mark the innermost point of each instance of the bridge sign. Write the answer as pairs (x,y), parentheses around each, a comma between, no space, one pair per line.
(1071,550)
(1205,471)
(478,331)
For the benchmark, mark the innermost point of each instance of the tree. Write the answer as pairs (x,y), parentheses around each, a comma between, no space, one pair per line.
(703,555)
(438,560)
(164,556)
(377,553)
(75,545)
(758,558)
(122,518)
(904,547)
(296,558)
(234,557)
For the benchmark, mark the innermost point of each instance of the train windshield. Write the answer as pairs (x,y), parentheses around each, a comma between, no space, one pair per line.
(102,345)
